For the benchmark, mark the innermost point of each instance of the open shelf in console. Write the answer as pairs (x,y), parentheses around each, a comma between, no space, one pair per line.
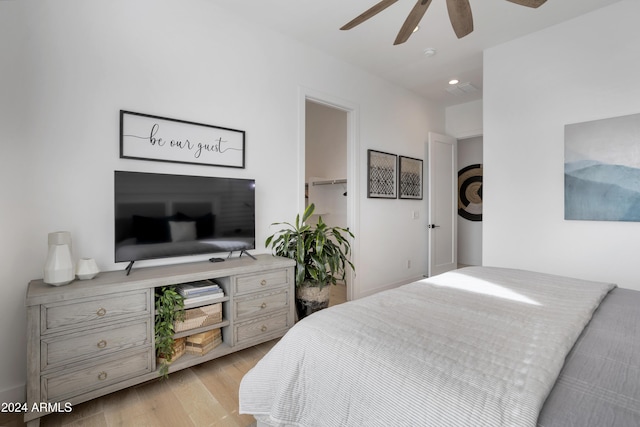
(201,329)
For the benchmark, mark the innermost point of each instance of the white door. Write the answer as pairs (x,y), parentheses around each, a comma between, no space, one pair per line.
(442,164)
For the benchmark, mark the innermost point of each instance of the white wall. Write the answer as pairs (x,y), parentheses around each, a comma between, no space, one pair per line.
(326,142)
(464,120)
(581,70)
(69,66)
(16,206)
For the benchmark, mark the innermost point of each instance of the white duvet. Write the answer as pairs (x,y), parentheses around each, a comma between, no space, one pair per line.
(473,347)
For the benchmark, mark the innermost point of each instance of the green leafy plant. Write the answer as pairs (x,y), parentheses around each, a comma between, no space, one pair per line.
(321,252)
(169,309)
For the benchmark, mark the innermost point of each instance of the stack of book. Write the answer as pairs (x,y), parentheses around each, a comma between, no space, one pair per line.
(200,293)
(201,344)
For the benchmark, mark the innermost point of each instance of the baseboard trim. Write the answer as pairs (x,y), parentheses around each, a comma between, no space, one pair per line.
(391,286)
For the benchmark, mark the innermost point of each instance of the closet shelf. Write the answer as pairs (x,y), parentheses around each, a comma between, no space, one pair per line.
(330,182)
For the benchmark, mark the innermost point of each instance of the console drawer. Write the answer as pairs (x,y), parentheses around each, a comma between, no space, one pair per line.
(262,326)
(67,384)
(94,342)
(260,281)
(91,312)
(260,303)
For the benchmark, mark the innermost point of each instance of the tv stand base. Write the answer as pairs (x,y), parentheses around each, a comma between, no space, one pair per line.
(128,269)
(241,253)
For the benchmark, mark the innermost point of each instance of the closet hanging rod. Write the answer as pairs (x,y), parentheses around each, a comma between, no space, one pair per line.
(330,182)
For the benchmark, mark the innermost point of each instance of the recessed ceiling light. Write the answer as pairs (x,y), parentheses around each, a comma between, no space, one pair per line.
(429,51)
(454,82)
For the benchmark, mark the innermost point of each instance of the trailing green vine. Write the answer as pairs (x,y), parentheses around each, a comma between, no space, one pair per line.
(169,309)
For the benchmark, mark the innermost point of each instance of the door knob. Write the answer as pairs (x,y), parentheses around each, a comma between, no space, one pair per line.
(433,226)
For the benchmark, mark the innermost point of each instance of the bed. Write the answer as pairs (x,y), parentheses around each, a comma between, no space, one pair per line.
(479,346)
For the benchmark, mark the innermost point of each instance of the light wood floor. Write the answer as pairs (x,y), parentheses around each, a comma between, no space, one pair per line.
(203,395)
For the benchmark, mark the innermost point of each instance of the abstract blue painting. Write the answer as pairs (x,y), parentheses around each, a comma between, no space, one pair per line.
(602,170)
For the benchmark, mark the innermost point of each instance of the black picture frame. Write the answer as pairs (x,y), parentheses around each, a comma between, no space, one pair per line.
(148,137)
(410,178)
(382,175)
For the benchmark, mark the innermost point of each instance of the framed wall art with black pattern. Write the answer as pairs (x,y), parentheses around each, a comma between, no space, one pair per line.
(382,175)
(410,178)
(470,192)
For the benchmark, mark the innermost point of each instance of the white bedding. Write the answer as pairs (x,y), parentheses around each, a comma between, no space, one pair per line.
(473,347)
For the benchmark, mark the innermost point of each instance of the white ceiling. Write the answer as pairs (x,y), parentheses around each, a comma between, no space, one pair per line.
(370,45)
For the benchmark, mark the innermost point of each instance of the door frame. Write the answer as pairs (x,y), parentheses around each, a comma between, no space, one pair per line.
(353,167)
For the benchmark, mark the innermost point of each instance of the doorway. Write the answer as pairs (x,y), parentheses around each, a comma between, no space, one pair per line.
(329,164)
(470,171)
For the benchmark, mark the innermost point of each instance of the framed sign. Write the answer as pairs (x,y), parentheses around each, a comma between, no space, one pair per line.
(383,172)
(146,137)
(410,179)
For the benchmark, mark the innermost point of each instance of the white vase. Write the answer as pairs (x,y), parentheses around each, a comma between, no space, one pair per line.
(87,268)
(58,269)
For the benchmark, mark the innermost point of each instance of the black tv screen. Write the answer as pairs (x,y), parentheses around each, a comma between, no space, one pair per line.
(161,216)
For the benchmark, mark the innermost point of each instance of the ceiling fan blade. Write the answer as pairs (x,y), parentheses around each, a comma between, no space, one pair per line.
(412,21)
(460,17)
(529,3)
(368,14)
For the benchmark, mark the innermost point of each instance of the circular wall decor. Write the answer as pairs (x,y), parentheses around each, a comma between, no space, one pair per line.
(470,192)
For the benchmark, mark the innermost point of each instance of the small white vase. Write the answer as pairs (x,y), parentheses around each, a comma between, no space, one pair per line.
(58,269)
(87,269)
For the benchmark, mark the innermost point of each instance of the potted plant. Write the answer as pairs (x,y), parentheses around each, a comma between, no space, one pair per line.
(321,254)
(169,309)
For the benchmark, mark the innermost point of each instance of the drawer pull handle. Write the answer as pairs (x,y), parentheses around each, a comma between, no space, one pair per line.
(263,282)
(102,344)
(263,305)
(264,328)
(102,376)
(101,312)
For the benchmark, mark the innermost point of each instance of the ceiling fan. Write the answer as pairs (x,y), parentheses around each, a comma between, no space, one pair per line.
(459,15)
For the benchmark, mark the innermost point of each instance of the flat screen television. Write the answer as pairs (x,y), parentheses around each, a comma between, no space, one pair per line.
(162,216)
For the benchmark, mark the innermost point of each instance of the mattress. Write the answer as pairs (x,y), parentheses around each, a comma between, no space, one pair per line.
(599,385)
